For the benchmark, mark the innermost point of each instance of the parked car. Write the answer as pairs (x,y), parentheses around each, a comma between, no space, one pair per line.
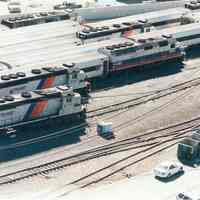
(167,169)
(14,7)
(188,196)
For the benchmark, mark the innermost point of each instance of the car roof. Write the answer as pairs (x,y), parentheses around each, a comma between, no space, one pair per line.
(167,163)
(195,195)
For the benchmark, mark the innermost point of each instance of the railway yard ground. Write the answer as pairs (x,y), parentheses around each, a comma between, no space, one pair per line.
(151,110)
(158,99)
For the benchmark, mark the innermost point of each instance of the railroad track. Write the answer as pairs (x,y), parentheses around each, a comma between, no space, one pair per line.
(123,105)
(140,142)
(72,129)
(162,145)
(86,155)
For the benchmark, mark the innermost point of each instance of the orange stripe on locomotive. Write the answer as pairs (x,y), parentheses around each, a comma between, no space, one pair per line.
(39,108)
(48,82)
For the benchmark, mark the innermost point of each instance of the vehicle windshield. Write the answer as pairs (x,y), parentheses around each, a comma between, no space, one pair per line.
(184,197)
(163,167)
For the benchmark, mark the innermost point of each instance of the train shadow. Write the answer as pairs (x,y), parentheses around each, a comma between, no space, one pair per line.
(131,76)
(193,52)
(170,179)
(35,140)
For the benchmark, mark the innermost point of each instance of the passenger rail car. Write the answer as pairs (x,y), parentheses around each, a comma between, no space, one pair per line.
(19,80)
(100,59)
(188,35)
(48,104)
(136,23)
(35,18)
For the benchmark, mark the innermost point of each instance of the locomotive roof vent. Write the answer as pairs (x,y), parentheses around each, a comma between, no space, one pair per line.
(143,21)
(21,74)
(142,40)
(109,47)
(99,28)
(167,36)
(13,76)
(2,100)
(9,98)
(36,71)
(30,16)
(5,77)
(70,65)
(105,27)
(85,31)
(151,39)
(37,15)
(127,23)
(116,46)
(48,91)
(122,45)
(26,94)
(53,69)
(44,14)
(18,18)
(116,25)
(63,87)
(49,69)
(52,13)
(129,44)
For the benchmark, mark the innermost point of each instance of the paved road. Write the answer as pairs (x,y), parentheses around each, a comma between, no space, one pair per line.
(142,187)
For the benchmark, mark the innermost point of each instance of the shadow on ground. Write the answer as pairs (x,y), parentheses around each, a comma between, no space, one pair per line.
(193,52)
(19,147)
(131,76)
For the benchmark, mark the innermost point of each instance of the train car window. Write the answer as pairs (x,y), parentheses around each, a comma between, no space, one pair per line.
(148,47)
(74,75)
(148,29)
(190,37)
(76,104)
(163,43)
(118,52)
(68,98)
(93,68)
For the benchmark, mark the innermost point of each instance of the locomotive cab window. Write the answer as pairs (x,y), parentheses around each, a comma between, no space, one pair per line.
(82,36)
(148,29)
(74,75)
(68,98)
(173,45)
